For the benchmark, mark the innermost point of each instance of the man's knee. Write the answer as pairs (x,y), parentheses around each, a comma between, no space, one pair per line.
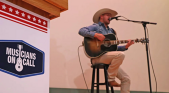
(116,53)
(126,80)
(121,54)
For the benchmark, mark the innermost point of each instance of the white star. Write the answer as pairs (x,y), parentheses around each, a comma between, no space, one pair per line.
(34,19)
(39,21)
(23,14)
(17,12)
(44,23)
(29,17)
(10,9)
(3,7)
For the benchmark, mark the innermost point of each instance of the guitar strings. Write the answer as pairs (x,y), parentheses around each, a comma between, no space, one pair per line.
(82,69)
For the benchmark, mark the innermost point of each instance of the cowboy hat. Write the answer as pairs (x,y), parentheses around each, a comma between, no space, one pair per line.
(103,11)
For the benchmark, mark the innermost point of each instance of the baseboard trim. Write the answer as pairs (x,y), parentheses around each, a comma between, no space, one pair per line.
(71,90)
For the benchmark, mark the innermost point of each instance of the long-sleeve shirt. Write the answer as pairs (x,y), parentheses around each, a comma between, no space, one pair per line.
(98,28)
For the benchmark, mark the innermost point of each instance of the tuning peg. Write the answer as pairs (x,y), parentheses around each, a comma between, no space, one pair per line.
(147,40)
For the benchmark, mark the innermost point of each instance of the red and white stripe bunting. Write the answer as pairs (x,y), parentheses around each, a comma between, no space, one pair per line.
(22,17)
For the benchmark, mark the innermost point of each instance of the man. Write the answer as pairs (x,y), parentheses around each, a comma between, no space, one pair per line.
(114,58)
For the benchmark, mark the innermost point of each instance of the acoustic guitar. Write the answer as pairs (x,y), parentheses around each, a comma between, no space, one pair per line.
(95,48)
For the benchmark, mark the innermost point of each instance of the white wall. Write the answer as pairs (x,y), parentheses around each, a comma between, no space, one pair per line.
(15,30)
(65,71)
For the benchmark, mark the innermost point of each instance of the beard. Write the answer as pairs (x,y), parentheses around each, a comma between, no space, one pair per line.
(106,21)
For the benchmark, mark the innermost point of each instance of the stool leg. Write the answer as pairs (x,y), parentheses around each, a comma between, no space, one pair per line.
(93,78)
(106,79)
(97,80)
(112,90)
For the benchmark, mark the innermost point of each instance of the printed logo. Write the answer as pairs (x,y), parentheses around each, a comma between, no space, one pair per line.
(20,59)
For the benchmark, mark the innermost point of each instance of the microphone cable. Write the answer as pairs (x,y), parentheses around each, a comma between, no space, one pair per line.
(151,60)
(82,68)
(149,55)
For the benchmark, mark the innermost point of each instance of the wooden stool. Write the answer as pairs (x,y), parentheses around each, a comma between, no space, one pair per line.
(100,66)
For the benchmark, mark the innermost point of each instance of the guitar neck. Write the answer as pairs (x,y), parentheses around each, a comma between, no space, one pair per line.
(116,42)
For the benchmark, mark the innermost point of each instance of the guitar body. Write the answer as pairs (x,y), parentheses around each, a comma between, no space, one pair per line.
(19,66)
(95,48)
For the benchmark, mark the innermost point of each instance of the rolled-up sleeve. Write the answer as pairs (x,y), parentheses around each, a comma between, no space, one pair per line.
(122,48)
(88,31)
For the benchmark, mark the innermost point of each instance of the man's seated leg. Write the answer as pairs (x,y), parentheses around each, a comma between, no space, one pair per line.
(125,81)
(114,59)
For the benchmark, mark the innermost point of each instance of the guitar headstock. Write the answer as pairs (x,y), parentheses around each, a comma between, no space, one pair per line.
(142,40)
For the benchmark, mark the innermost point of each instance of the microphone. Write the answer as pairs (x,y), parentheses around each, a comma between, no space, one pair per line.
(111,18)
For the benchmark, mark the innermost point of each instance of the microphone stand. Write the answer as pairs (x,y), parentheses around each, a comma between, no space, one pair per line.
(144,23)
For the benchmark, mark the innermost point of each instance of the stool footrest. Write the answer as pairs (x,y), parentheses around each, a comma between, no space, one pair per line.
(101,83)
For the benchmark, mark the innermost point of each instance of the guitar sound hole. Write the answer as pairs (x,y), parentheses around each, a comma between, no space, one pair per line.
(107,43)
(18,66)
